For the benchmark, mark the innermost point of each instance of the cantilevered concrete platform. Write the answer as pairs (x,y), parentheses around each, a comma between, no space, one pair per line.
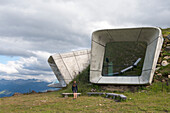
(67,66)
(151,35)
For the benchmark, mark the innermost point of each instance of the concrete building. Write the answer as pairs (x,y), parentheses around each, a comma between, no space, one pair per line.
(152,36)
(67,65)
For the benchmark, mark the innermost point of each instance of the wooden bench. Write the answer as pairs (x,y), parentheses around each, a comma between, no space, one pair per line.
(95,93)
(66,94)
(114,95)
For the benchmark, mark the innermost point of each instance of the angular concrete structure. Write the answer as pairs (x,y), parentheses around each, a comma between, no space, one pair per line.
(67,66)
(152,36)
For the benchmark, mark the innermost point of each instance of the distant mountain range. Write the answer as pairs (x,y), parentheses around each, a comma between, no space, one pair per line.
(9,87)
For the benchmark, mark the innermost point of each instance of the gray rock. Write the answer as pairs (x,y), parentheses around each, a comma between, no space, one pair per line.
(167,57)
(164,63)
(159,74)
(157,68)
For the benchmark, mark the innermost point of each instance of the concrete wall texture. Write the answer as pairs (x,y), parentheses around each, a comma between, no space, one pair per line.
(151,35)
(67,65)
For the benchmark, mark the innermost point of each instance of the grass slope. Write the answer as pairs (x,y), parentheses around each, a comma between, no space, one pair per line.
(165,32)
(154,98)
(145,101)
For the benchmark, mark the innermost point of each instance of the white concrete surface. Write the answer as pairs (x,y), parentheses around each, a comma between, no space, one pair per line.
(151,35)
(67,66)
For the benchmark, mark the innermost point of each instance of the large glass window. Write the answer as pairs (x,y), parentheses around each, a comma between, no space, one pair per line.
(124,58)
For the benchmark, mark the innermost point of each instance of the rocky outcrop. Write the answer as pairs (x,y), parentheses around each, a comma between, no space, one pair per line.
(162,68)
(17,94)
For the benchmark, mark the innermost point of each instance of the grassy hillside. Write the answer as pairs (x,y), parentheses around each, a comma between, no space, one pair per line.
(153,98)
(165,32)
(162,73)
(145,101)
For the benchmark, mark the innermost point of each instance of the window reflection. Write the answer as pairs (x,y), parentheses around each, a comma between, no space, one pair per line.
(124,58)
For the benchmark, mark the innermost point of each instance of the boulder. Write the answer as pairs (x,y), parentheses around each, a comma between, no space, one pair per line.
(17,94)
(159,74)
(164,63)
(167,57)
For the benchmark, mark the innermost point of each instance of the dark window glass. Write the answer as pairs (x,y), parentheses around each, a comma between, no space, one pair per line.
(124,58)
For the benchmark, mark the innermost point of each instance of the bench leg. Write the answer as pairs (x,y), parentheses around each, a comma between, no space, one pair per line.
(123,98)
(66,96)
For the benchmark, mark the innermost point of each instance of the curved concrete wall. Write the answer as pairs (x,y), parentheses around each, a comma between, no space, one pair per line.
(151,35)
(67,66)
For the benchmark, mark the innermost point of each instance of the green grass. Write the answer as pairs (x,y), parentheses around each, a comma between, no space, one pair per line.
(166,53)
(155,98)
(166,31)
(84,85)
(147,101)
(165,70)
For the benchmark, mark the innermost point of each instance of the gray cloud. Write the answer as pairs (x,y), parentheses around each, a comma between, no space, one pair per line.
(56,25)
(52,26)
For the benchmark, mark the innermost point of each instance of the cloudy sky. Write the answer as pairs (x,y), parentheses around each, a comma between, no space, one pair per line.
(32,30)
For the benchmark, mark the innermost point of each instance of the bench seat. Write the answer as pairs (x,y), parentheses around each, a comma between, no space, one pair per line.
(114,95)
(95,93)
(66,94)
